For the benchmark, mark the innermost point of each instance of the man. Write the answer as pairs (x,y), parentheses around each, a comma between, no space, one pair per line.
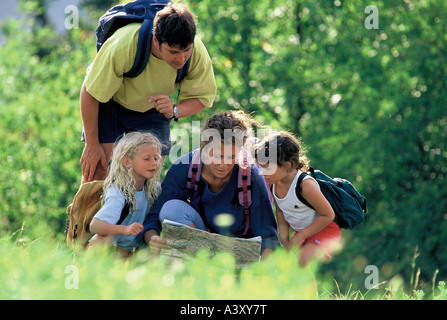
(112,104)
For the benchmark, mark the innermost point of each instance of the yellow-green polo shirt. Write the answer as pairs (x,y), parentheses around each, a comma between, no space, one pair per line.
(105,80)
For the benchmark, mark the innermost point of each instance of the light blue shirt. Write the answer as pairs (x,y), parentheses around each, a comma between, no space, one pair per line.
(110,212)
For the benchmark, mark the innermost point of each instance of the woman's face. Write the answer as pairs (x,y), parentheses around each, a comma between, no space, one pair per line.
(220,159)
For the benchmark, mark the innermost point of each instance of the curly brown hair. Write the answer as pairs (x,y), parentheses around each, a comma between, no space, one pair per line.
(231,125)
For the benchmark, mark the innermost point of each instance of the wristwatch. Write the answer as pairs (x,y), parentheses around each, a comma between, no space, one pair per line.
(175,113)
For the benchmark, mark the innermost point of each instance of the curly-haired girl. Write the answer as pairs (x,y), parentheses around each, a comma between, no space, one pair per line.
(133,179)
(313,229)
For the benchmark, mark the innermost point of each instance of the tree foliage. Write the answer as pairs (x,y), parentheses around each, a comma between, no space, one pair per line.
(369,104)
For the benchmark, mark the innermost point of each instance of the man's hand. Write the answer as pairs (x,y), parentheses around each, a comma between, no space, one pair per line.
(163,104)
(94,152)
(89,160)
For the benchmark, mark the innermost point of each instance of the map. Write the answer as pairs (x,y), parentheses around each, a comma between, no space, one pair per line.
(186,242)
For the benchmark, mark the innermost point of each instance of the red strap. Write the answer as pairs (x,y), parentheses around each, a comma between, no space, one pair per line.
(244,180)
(194,171)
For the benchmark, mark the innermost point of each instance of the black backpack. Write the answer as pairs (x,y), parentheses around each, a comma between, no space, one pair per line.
(143,11)
(348,204)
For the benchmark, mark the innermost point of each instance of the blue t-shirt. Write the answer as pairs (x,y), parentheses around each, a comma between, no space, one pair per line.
(262,219)
(110,212)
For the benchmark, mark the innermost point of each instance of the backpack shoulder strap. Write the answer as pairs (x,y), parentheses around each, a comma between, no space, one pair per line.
(194,171)
(244,189)
(298,189)
(143,50)
(244,186)
(194,184)
(181,73)
(124,213)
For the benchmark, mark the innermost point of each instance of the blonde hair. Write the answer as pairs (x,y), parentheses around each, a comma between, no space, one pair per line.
(122,178)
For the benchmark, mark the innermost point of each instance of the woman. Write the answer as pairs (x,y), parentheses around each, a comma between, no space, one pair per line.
(227,133)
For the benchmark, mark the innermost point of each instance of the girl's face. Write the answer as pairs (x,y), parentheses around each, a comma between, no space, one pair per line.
(273,173)
(144,163)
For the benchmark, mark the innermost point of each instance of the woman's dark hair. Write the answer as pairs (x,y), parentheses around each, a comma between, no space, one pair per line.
(175,25)
(231,125)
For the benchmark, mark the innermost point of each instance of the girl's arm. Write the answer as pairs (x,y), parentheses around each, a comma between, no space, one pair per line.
(283,227)
(107,229)
(311,192)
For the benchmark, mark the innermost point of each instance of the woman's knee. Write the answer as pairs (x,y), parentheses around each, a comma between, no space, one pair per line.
(181,212)
(171,209)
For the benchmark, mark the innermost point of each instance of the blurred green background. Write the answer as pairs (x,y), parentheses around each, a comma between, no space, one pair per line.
(370,105)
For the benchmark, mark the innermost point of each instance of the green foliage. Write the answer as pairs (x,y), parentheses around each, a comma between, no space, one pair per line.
(40,269)
(387,131)
(369,104)
(101,274)
(40,123)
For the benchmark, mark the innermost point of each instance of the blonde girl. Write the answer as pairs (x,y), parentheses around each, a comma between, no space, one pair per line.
(315,232)
(133,178)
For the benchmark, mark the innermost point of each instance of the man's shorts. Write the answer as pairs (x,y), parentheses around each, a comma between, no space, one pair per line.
(114,120)
(327,239)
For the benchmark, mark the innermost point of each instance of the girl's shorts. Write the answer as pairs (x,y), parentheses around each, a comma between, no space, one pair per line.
(327,239)
(114,120)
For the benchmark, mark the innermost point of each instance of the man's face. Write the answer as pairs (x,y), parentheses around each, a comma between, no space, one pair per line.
(174,56)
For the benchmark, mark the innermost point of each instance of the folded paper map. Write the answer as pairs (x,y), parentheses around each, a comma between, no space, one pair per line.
(186,242)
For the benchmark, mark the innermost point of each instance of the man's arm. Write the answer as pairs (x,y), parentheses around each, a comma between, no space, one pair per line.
(93,152)
(188,107)
(197,90)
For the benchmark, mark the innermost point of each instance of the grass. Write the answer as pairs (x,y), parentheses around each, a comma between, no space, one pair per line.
(45,268)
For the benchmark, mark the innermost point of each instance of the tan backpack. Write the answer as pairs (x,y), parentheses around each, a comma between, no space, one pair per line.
(80,212)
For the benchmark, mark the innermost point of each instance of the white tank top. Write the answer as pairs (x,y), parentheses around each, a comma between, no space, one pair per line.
(296,213)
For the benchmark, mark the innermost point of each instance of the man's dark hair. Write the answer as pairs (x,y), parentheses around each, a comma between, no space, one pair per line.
(175,26)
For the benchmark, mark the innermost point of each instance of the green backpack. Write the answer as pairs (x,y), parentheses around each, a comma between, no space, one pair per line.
(348,204)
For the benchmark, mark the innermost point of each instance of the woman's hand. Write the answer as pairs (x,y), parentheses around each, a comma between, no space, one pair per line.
(155,242)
